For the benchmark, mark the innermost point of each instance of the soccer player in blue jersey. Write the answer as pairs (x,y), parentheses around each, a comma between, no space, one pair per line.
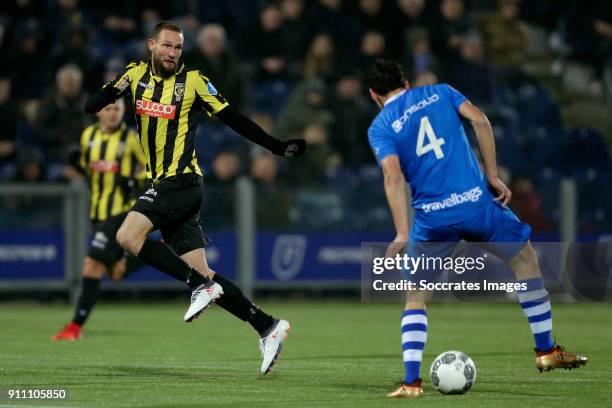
(418,138)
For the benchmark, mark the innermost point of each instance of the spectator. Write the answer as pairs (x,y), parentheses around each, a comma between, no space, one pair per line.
(118,22)
(273,203)
(263,44)
(372,16)
(420,59)
(588,33)
(410,15)
(220,190)
(451,26)
(8,122)
(307,116)
(61,14)
(22,10)
(73,49)
(308,104)
(296,34)
(28,63)
(217,62)
(471,73)
(329,16)
(527,204)
(372,47)
(505,36)
(225,168)
(264,168)
(30,166)
(425,78)
(61,117)
(321,60)
(320,161)
(353,114)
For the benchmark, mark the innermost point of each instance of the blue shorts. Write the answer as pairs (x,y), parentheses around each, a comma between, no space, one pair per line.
(495,224)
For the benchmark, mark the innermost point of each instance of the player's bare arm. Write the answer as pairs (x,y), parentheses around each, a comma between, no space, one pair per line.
(395,190)
(486,143)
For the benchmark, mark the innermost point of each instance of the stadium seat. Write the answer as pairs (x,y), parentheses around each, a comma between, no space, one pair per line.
(586,149)
(544,146)
(7,171)
(270,97)
(532,101)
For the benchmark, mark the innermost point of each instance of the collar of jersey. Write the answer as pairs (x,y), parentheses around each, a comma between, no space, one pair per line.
(159,78)
(394,97)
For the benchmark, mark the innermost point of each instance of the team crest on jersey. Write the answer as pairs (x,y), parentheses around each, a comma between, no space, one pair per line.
(179,91)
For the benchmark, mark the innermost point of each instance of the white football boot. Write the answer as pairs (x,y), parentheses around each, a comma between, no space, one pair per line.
(201,298)
(272,344)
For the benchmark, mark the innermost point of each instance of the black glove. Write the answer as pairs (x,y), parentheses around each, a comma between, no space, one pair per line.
(291,148)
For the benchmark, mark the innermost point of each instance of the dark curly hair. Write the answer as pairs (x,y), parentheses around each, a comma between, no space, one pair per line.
(383,76)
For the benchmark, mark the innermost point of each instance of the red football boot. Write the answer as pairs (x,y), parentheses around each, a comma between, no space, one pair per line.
(70,332)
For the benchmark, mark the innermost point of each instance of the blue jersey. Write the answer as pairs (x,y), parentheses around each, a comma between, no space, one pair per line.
(422,127)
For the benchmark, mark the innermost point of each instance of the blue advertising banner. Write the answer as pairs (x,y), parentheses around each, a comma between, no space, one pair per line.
(311,256)
(31,254)
(37,255)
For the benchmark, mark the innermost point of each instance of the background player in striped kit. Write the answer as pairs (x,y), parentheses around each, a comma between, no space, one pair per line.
(113,163)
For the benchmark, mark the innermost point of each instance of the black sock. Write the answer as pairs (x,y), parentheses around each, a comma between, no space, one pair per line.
(234,301)
(132,264)
(162,257)
(87,299)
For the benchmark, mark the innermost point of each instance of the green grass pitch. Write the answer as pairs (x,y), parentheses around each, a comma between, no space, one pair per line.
(338,354)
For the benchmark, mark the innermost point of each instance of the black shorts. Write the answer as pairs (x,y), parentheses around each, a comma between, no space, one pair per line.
(173,206)
(104,246)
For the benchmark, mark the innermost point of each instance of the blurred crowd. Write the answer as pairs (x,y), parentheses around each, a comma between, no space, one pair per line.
(295,67)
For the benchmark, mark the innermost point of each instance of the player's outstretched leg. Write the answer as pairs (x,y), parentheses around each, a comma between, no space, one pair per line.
(90,286)
(272,332)
(535,302)
(132,236)
(414,336)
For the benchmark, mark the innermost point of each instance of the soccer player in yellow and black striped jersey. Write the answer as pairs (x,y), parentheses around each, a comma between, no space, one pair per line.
(167,101)
(112,160)
(113,163)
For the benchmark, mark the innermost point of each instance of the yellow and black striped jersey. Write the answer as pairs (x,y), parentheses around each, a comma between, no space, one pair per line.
(167,112)
(112,163)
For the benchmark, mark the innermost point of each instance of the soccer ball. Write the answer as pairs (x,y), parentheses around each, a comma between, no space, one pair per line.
(453,372)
